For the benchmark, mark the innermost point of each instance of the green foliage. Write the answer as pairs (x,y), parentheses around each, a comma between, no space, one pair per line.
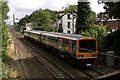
(8,72)
(112,42)
(50,28)
(113,9)
(22,29)
(41,19)
(84,18)
(5,41)
(96,31)
(54,14)
(23,21)
(70,9)
(5,10)
(4,27)
(93,17)
(17,27)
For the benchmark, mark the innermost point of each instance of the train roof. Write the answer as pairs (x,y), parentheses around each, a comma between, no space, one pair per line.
(56,34)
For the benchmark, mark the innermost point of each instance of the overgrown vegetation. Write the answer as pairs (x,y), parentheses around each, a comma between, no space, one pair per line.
(5,41)
(112,8)
(70,9)
(4,27)
(9,72)
(112,42)
(41,19)
(97,31)
(6,71)
(85,17)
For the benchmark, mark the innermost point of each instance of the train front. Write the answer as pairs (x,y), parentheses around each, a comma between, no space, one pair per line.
(86,51)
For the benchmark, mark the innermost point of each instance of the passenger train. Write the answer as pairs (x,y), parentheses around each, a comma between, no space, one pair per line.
(74,47)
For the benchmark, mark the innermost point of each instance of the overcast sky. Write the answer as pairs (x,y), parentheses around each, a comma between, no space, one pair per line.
(22,7)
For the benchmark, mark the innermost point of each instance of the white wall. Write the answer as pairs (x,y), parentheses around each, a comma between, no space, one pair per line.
(64,21)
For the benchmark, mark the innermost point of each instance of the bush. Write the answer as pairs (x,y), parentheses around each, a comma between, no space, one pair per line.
(98,32)
(112,42)
(5,41)
(22,29)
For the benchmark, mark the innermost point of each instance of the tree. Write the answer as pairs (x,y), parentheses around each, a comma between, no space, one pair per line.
(54,14)
(112,42)
(83,16)
(41,19)
(112,8)
(5,10)
(96,31)
(93,17)
(24,20)
(70,9)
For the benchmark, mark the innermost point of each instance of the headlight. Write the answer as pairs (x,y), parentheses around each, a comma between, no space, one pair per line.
(80,55)
(94,55)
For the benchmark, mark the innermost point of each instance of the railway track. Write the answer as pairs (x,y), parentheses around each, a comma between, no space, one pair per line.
(55,70)
(92,73)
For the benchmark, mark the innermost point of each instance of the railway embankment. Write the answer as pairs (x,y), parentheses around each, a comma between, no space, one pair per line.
(30,67)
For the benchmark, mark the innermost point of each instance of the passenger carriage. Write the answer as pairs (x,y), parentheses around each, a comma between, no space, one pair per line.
(73,46)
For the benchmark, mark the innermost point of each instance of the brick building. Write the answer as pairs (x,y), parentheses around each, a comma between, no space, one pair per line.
(113,24)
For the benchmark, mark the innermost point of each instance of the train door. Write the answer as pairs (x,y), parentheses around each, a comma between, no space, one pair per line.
(60,43)
(73,47)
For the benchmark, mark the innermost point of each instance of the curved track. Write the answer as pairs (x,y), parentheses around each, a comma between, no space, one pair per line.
(56,71)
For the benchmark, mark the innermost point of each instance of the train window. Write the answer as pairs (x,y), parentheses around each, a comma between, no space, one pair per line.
(56,39)
(87,44)
(50,38)
(65,42)
(43,37)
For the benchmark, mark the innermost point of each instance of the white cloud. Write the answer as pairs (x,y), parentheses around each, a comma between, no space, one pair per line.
(22,7)
(95,7)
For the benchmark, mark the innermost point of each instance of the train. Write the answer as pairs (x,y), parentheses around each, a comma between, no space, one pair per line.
(79,49)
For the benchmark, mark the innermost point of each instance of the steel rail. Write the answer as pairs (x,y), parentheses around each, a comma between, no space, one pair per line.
(41,62)
(50,61)
(88,74)
(102,73)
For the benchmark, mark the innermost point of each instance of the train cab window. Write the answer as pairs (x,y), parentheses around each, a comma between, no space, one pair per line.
(87,44)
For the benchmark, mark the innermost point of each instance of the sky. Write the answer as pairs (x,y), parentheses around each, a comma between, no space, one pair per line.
(22,7)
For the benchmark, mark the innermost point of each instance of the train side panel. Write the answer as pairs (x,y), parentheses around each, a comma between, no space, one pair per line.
(69,47)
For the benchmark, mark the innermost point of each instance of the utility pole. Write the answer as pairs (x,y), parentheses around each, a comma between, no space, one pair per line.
(14,32)
(102,20)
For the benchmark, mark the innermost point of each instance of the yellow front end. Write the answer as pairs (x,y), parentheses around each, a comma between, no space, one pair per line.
(85,48)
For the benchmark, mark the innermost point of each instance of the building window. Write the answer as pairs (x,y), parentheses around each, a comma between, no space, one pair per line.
(68,31)
(68,24)
(68,16)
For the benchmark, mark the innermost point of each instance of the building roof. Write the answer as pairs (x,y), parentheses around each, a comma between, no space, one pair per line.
(67,13)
